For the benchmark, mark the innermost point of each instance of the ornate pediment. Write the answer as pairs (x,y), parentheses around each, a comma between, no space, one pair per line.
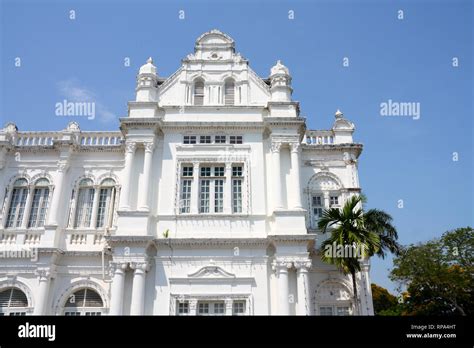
(211,272)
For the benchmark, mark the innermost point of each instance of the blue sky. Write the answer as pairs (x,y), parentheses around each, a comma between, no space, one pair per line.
(408,60)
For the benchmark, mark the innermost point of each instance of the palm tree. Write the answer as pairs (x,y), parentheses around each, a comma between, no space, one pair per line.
(372,232)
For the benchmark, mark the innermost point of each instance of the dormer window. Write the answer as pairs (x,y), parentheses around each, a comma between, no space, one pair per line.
(199,92)
(229,92)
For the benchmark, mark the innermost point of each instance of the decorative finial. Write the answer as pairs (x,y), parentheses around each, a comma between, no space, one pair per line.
(338,114)
(149,60)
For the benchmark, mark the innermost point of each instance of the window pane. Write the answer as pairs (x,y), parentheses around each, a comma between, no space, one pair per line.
(237,195)
(325,311)
(84,207)
(220,139)
(219,196)
(205,139)
(185,197)
(17,206)
(187,171)
(198,93)
(39,207)
(106,197)
(238,307)
(204,201)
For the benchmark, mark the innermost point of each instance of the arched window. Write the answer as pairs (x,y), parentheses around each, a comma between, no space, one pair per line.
(199,92)
(324,193)
(333,298)
(229,92)
(84,302)
(106,203)
(39,206)
(17,203)
(13,301)
(85,200)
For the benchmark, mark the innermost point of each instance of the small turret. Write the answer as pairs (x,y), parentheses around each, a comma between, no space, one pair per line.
(147,83)
(280,83)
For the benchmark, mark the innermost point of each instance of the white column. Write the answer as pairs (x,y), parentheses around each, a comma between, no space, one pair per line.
(367,306)
(127,182)
(326,200)
(229,306)
(147,164)
(281,268)
(57,194)
(44,278)
(228,189)
(95,206)
(277,175)
(195,189)
(118,282)
(302,279)
(295,167)
(192,307)
(137,306)
(26,213)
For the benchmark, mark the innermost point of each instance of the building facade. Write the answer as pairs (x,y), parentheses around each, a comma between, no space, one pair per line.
(205,202)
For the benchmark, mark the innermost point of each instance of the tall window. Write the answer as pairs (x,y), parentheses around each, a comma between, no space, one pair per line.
(17,205)
(13,302)
(229,94)
(39,206)
(106,203)
(237,180)
(84,302)
(85,200)
(185,194)
(212,185)
(199,92)
(317,207)
(205,190)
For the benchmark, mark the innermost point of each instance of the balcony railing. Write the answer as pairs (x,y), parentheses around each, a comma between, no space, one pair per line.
(319,138)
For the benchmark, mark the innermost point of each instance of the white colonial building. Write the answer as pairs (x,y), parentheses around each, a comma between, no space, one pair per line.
(204,203)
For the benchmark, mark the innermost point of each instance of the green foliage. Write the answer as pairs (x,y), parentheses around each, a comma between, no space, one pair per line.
(438,274)
(383,300)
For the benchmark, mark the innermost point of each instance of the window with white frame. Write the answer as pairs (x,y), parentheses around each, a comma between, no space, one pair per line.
(334,310)
(235,139)
(182,307)
(211,185)
(220,139)
(84,302)
(199,92)
(229,92)
(238,308)
(333,200)
(237,183)
(189,139)
(211,308)
(39,205)
(17,204)
(13,302)
(205,139)
(105,208)
(317,207)
(85,201)
(186,184)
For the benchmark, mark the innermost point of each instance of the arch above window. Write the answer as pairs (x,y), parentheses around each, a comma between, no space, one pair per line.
(21,182)
(108,182)
(86,182)
(85,301)
(42,182)
(13,301)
